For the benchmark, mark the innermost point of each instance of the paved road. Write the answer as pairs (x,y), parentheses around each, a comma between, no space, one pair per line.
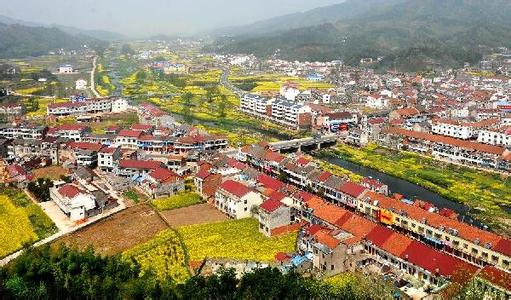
(92,74)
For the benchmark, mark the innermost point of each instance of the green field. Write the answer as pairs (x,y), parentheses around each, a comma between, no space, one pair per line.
(177,201)
(234,239)
(21,221)
(487,194)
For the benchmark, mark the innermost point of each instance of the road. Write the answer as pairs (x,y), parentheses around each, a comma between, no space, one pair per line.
(92,74)
(224,80)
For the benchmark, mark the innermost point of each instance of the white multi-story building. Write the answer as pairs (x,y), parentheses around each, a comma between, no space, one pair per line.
(497,137)
(65,69)
(93,106)
(291,114)
(119,105)
(74,202)
(24,132)
(236,200)
(73,132)
(255,105)
(107,158)
(81,84)
(128,139)
(461,130)
(289,91)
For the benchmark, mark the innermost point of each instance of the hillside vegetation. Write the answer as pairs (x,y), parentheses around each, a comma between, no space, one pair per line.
(408,34)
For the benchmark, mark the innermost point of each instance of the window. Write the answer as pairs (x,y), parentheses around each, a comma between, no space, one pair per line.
(332,267)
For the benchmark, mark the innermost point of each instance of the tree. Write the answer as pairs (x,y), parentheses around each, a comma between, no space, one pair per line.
(187,106)
(221,107)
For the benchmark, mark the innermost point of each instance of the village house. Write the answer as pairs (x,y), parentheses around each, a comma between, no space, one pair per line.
(236,199)
(274,216)
(162,182)
(73,201)
(108,157)
(136,169)
(81,84)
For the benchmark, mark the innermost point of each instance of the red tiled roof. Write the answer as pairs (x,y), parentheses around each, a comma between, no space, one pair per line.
(141,127)
(324,176)
(496,276)
(236,164)
(108,150)
(379,235)
(358,226)
(324,237)
(139,164)
(328,212)
(312,229)
(396,244)
(269,182)
(503,246)
(69,190)
(304,196)
(434,261)
(273,156)
(236,188)
(86,146)
(129,133)
(465,231)
(163,175)
(496,150)
(270,205)
(204,171)
(277,196)
(71,127)
(281,256)
(352,189)
(303,161)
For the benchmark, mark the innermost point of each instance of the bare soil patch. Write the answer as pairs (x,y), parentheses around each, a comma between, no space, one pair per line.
(117,233)
(195,214)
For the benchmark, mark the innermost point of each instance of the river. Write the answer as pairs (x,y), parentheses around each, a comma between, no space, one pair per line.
(410,190)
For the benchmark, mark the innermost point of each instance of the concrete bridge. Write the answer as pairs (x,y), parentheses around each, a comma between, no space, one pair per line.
(311,143)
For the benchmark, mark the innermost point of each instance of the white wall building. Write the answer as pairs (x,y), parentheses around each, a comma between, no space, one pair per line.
(65,69)
(81,84)
(72,201)
(236,200)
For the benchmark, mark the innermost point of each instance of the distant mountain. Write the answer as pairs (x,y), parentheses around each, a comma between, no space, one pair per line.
(19,40)
(409,34)
(318,16)
(97,34)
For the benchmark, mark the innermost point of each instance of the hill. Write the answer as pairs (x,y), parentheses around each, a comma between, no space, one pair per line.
(20,40)
(97,34)
(410,35)
(321,15)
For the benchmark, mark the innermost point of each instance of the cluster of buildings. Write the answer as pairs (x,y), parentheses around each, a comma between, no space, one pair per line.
(345,225)
(152,157)
(168,68)
(461,116)
(88,106)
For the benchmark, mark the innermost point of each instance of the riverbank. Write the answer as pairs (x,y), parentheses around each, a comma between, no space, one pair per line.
(487,195)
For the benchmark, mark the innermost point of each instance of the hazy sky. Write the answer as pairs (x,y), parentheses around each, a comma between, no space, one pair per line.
(145,17)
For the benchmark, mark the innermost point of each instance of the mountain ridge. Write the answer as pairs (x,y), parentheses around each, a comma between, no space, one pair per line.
(447,32)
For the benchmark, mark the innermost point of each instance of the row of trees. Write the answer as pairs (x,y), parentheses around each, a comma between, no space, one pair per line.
(64,273)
